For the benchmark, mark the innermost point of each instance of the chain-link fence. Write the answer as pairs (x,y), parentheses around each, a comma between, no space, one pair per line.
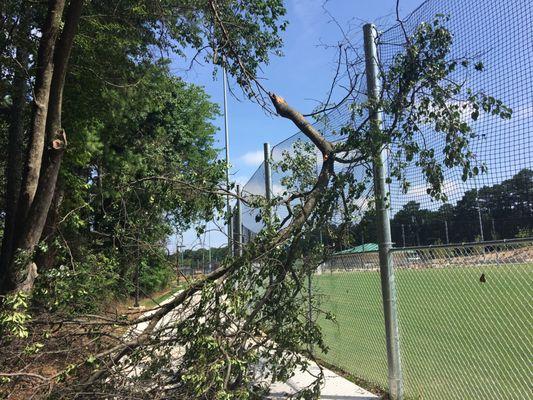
(348,287)
(465,312)
(465,315)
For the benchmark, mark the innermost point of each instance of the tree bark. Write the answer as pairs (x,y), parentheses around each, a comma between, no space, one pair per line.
(55,135)
(34,224)
(46,259)
(32,163)
(43,81)
(42,165)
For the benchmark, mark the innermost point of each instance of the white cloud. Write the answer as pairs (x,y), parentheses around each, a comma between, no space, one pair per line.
(307,12)
(523,112)
(240,180)
(253,158)
(450,187)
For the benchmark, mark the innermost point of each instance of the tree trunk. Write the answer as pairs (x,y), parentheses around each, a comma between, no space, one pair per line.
(34,224)
(42,165)
(56,138)
(46,259)
(43,81)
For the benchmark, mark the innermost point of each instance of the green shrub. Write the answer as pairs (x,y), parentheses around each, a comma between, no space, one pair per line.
(14,316)
(155,275)
(83,287)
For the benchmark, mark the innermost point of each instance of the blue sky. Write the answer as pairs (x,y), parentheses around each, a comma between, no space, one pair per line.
(302,76)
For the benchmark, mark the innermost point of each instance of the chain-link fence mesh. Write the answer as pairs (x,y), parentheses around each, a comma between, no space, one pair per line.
(465,311)
(348,287)
(465,316)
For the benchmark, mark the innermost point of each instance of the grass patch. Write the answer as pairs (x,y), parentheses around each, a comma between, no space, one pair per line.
(460,338)
(159,297)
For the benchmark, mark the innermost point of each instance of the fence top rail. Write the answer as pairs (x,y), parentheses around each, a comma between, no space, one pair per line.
(362,253)
(440,246)
(464,244)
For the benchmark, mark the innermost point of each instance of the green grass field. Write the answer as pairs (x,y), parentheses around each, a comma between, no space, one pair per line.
(460,338)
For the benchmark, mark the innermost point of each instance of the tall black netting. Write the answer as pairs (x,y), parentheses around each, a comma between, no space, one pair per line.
(494,205)
(330,125)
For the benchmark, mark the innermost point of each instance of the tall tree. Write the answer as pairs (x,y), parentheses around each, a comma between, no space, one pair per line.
(41,165)
(138,27)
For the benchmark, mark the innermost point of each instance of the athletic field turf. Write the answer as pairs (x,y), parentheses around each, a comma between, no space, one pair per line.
(460,338)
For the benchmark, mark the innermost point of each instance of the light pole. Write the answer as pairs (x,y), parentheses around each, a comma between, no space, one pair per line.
(179,254)
(479,217)
(202,249)
(238,225)
(210,268)
(137,274)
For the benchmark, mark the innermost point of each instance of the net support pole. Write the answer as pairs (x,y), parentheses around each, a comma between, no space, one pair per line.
(310,305)
(268,172)
(226,145)
(388,287)
(238,225)
(268,177)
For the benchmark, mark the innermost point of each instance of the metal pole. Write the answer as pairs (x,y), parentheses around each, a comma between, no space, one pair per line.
(137,273)
(447,234)
(209,267)
(480,219)
(226,137)
(182,253)
(238,225)
(177,257)
(310,304)
(203,254)
(403,235)
(268,172)
(388,287)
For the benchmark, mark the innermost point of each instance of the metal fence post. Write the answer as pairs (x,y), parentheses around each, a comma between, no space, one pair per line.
(237,236)
(268,172)
(310,303)
(388,287)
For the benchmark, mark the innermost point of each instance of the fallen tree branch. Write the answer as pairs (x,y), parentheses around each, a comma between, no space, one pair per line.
(122,350)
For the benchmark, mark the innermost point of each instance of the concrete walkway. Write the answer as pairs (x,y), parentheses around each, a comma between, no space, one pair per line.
(335,387)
